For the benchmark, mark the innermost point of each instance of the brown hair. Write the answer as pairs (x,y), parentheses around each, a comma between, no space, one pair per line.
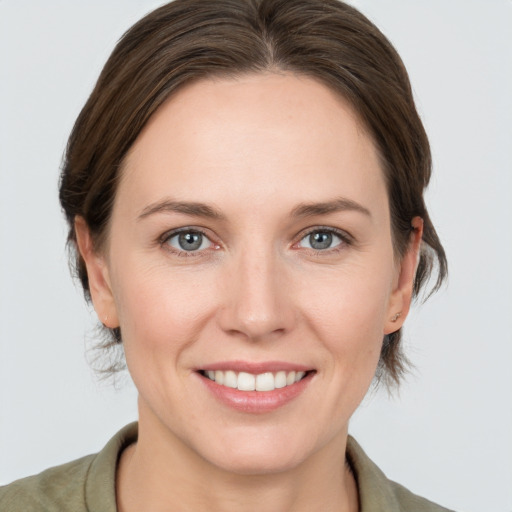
(188,40)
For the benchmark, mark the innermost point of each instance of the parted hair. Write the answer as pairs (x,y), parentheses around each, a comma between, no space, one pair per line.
(187,40)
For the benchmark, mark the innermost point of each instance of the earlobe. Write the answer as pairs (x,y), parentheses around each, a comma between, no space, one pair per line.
(98,276)
(401,297)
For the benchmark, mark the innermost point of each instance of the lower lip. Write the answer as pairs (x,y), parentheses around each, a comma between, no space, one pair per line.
(256,401)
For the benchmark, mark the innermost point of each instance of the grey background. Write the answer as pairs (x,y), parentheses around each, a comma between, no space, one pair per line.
(448,434)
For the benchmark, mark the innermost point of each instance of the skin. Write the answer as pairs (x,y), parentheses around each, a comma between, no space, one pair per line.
(255,149)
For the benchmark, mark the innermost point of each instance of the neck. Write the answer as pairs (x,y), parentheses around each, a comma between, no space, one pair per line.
(161,473)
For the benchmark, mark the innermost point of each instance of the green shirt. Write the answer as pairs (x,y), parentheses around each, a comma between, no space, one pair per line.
(88,484)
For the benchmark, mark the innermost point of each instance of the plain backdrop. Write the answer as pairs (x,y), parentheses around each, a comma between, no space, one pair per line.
(447,435)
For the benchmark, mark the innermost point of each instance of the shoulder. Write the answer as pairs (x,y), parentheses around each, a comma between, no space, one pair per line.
(412,502)
(58,488)
(379,494)
(79,486)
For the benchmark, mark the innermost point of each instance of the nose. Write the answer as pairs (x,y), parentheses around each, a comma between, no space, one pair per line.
(257,304)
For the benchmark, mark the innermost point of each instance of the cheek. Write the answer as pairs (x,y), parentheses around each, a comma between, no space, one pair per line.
(161,310)
(347,311)
(352,304)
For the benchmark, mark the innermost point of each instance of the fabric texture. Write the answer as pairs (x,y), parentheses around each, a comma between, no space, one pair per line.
(88,484)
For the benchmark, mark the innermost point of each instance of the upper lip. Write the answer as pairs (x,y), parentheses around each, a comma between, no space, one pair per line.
(256,367)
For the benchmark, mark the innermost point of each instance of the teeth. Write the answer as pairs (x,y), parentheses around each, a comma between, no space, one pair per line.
(243,381)
(230,379)
(219,377)
(280,380)
(265,382)
(246,382)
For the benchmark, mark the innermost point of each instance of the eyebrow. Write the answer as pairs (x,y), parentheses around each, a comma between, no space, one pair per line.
(336,205)
(207,211)
(186,208)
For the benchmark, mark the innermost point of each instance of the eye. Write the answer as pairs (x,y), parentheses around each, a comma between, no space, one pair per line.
(189,241)
(321,239)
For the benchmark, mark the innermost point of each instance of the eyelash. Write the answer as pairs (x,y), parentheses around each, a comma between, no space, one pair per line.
(166,237)
(346,240)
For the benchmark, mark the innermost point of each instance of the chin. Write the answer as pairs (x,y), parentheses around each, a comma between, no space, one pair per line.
(259,454)
(262,464)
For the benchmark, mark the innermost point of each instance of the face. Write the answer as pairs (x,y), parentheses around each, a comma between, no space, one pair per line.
(250,246)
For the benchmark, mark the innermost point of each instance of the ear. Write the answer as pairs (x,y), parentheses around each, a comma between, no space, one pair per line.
(98,275)
(401,296)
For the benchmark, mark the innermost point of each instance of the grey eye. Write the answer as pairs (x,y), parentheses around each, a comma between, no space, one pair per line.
(320,240)
(189,241)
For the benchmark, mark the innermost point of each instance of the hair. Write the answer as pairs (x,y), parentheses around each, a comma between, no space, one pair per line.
(189,40)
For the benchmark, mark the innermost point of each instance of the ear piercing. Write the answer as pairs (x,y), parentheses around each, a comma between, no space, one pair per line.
(394,318)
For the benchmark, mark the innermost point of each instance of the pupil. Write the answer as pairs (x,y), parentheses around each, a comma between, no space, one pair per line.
(190,241)
(320,240)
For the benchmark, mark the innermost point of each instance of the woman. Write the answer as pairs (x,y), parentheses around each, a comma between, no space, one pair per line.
(244,191)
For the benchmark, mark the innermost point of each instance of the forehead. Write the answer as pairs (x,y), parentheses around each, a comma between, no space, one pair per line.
(254,137)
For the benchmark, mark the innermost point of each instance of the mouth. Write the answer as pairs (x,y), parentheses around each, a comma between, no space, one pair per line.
(252,387)
(265,382)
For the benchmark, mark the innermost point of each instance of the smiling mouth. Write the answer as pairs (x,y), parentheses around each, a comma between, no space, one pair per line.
(243,381)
